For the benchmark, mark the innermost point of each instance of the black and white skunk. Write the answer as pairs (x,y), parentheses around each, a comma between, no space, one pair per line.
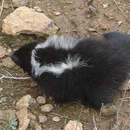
(84,69)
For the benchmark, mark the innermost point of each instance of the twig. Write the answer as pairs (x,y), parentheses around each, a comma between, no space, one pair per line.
(118,111)
(94,122)
(2,6)
(11,77)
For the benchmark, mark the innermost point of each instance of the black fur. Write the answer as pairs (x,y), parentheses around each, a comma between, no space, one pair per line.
(108,64)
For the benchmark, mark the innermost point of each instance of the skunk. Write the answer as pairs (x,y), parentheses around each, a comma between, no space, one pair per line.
(71,68)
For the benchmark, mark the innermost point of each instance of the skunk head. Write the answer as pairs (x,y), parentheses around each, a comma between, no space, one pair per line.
(52,56)
(22,56)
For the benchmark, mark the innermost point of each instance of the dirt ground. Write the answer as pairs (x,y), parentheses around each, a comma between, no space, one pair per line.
(84,18)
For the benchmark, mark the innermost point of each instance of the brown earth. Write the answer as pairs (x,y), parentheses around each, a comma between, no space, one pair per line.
(78,17)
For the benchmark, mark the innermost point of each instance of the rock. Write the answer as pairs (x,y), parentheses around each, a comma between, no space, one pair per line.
(31,116)
(46,108)
(22,116)
(108,111)
(73,125)
(37,127)
(32,101)
(92,30)
(38,9)
(41,100)
(42,119)
(7,114)
(2,52)
(109,15)
(105,26)
(119,23)
(56,13)
(23,102)
(7,62)
(3,99)
(28,21)
(56,119)
(105,5)
(18,3)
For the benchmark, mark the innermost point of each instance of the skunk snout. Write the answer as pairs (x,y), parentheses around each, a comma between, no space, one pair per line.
(11,53)
(13,56)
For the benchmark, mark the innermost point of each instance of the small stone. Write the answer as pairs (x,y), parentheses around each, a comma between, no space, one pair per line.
(2,52)
(73,125)
(56,119)
(3,99)
(42,119)
(57,13)
(119,23)
(92,9)
(23,102)
(25,20)
(1,89)
(7,114)
(18,3)
(92,30)
(32,101)
(109,15)
(31,116)
(7,62)
(38,9)
(105,5)
(38,127)
(23,119)
(46,108)
(41,100)
(105,26)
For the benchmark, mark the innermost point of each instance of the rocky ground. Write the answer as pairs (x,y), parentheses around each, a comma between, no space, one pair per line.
(21,105)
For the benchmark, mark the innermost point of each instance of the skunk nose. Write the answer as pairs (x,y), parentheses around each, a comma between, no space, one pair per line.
(11,53)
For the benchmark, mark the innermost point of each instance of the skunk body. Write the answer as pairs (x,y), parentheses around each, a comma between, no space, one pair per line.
(83,69)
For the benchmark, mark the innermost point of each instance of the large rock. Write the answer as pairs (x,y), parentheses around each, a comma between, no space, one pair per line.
(28,21)
(23,102)
(22,116)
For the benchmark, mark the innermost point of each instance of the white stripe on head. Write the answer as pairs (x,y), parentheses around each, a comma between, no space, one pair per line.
(56,69)
(59,42)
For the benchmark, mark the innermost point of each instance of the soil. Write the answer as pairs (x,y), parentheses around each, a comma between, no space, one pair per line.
(77,17)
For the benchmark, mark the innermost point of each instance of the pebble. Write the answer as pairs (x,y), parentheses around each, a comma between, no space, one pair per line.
(31,116)
(92,30)
(38,9)
(7,62)
(56,13)
(3,99)
(7,114)
(46,108)
(105,26)
(2,51)
(56,119)
(41,100)
(105,5)
(73,125)
(38,127)
(42,119)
